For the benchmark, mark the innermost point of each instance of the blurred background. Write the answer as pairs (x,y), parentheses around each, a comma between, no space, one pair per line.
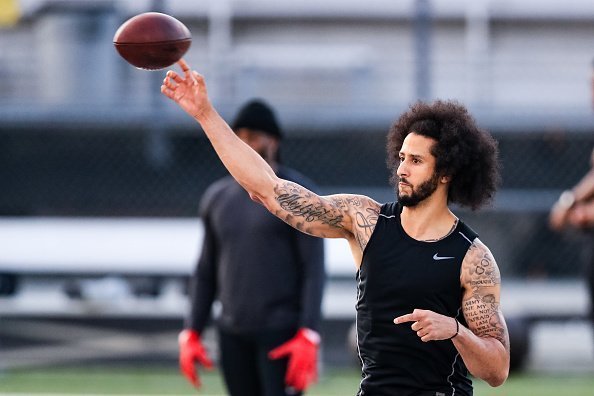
(100,176)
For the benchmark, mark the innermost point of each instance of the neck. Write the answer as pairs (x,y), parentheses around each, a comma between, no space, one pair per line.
(429,220)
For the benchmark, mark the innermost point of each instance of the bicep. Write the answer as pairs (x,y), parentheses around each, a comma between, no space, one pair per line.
(481,281)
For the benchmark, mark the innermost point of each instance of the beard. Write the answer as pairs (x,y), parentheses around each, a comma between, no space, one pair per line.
(420,193)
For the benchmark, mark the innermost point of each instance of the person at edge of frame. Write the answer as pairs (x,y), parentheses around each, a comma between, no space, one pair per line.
(574,209)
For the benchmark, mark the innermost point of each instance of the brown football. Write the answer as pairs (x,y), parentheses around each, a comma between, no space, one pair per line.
(152,40)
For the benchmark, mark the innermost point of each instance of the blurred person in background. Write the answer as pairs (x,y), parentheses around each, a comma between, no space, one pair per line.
(428,302)
(575,209)
(267,276)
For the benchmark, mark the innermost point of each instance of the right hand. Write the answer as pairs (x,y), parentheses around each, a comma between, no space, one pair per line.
(189,92)
(191,351)
(302,354)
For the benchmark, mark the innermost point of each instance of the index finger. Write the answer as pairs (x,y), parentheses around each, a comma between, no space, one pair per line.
(404,318)
(187,70)
(184,65)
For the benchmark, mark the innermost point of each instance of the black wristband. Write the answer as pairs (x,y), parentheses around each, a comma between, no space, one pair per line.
(457,329)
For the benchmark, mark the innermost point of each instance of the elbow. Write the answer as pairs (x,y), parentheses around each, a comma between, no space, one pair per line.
(261,192)
(497,378)
(496,381)
(493,375)
(262,200)
(256,198)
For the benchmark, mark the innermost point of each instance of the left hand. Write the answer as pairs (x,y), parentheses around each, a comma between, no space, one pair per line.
(302,352)
(429,325)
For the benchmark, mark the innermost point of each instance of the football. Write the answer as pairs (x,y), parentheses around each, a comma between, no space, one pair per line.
(152,40)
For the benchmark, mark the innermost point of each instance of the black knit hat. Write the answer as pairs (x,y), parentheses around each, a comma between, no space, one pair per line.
(257,115)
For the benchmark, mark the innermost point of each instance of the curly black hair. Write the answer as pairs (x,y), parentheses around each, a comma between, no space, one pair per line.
(463,151)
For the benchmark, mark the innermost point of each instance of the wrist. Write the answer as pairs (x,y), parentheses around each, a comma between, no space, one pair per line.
(310,335)
(457,329)
(188,335)
(204,116)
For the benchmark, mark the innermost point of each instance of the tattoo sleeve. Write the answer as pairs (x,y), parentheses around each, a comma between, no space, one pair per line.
(307,211)
(329,216)
(481,301)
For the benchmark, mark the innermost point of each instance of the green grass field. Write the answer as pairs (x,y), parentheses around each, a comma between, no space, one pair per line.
(167,381)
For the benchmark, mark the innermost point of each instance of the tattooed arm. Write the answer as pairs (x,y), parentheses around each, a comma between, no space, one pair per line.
(484,345)
(339,216)
(335,216)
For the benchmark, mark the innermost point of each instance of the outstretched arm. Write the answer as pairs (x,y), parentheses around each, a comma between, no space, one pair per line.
(484,345)
(331,216)
(244,164)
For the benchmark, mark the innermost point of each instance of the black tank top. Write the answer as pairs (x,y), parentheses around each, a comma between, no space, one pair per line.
(397,275)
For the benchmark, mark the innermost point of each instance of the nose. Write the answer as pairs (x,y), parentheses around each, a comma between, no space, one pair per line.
(402,171)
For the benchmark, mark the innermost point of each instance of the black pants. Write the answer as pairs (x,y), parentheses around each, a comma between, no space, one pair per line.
(247,370)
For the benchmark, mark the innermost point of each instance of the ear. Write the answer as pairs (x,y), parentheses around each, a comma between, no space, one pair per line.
(445,179)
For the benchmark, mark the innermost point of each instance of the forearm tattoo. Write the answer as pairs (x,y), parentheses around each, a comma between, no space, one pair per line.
(301,207)
(481,307)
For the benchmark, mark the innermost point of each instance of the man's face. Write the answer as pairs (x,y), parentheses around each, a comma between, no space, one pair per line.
(260,142)
(416,172)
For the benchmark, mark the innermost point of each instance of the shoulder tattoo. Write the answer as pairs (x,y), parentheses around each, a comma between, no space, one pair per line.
(365,212)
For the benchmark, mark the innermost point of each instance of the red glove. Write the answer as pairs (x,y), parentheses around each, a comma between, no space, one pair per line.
(190,351)
(302,352)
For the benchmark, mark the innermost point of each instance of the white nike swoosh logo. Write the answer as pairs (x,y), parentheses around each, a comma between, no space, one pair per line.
(436,257)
